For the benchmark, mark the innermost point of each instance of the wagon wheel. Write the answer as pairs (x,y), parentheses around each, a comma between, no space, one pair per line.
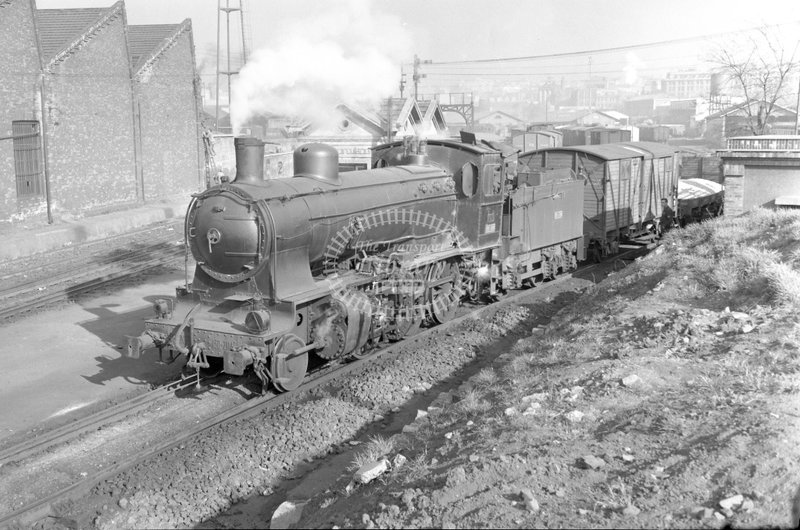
(443,299)
(533,281)
(288,369)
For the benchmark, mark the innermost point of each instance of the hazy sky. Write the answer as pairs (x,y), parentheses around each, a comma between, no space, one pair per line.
(446,30)
(358,46)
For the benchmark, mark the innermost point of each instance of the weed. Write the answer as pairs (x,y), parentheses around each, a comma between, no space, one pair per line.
(487,377)
(416,468)
(377,447)
(784,283)
(515,368)
(754,379)
(617,497)
(712,385)
(473,403)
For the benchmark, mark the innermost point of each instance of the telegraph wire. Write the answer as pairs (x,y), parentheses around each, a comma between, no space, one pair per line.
(612,49)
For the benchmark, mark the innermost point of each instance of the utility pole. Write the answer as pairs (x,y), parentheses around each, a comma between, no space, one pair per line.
(417,76)
(402,81)
(590,83)
(797,109)
(228,9)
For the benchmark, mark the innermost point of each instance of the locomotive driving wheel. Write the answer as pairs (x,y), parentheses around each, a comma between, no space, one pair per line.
(288,368)
(445,291)
(407,315)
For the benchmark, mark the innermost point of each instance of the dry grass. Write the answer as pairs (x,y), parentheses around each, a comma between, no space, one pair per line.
(472,402)
(617,497)
(486,378)
(376,448)
(784,283)
(417,468)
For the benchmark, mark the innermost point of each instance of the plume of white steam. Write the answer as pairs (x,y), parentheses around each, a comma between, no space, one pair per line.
(632,64)
(342,53)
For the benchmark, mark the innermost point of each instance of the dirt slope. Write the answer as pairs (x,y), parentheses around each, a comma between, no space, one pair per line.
(666,397)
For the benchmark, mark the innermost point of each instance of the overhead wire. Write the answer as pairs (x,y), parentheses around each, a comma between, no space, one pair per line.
(611,49)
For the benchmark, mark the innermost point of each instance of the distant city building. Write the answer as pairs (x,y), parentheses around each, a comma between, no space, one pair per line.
(644,107)
(498,123)
(687,84)
(603,118)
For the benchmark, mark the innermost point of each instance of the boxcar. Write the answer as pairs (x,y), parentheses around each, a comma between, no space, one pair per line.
(623,185)
(531,140)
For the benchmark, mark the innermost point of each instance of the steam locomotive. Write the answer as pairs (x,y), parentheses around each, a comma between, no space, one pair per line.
(331,264)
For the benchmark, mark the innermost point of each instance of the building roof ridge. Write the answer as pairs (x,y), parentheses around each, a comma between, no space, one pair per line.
(146,60)
(103,16)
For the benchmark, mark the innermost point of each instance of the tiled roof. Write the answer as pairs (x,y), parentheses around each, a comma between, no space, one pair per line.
(60,27)
(145,40)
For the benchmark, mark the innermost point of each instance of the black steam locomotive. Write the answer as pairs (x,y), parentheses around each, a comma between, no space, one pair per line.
(331,263)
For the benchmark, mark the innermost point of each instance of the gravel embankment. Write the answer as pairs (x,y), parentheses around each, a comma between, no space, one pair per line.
(252,458)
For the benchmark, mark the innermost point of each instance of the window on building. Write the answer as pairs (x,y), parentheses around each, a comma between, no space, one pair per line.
(28,158)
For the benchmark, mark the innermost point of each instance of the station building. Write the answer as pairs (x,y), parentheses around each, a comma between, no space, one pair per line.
(96,114)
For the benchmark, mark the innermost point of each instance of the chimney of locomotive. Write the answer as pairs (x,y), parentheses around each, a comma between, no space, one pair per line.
(249,160)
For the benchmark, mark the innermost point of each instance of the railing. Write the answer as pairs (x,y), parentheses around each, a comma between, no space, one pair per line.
(765,143)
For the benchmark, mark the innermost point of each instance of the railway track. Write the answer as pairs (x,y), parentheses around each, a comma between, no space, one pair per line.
(34,294)
(42,506)
(66,433)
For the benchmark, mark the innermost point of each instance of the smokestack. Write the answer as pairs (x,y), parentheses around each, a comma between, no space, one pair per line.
(249,160)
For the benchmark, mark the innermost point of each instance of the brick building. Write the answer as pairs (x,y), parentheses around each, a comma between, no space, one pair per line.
(761,171)
(100,116)
(88,107)
(167,103)
(22,190)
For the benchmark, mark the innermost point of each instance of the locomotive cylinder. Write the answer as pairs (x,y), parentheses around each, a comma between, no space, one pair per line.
(249,160)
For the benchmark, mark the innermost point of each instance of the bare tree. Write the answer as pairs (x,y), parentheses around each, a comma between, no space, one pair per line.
(759,63)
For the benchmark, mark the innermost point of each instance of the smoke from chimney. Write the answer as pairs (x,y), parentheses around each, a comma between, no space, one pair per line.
(341,53)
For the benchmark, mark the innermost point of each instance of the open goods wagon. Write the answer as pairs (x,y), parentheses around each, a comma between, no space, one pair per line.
(698,200)
(623,186)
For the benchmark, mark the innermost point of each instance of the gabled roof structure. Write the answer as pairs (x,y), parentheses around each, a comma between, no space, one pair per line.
(498,112)
(435,117)
(146,43)
(61,31)
(404,114)
(372,124)
(733,109)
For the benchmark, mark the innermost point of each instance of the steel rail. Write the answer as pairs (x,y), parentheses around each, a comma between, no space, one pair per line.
(70,431)
(81,272)
(73,291)
(42,507)
(83,245)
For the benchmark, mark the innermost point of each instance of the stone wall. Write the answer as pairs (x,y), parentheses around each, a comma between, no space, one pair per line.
(167,107)
(19,100)
(89,119)
(756,178)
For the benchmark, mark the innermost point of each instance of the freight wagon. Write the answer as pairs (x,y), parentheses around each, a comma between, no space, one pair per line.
(531,140)
(623,186)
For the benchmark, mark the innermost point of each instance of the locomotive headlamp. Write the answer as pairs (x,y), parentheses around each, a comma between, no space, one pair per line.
(257,321)
(162,308)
